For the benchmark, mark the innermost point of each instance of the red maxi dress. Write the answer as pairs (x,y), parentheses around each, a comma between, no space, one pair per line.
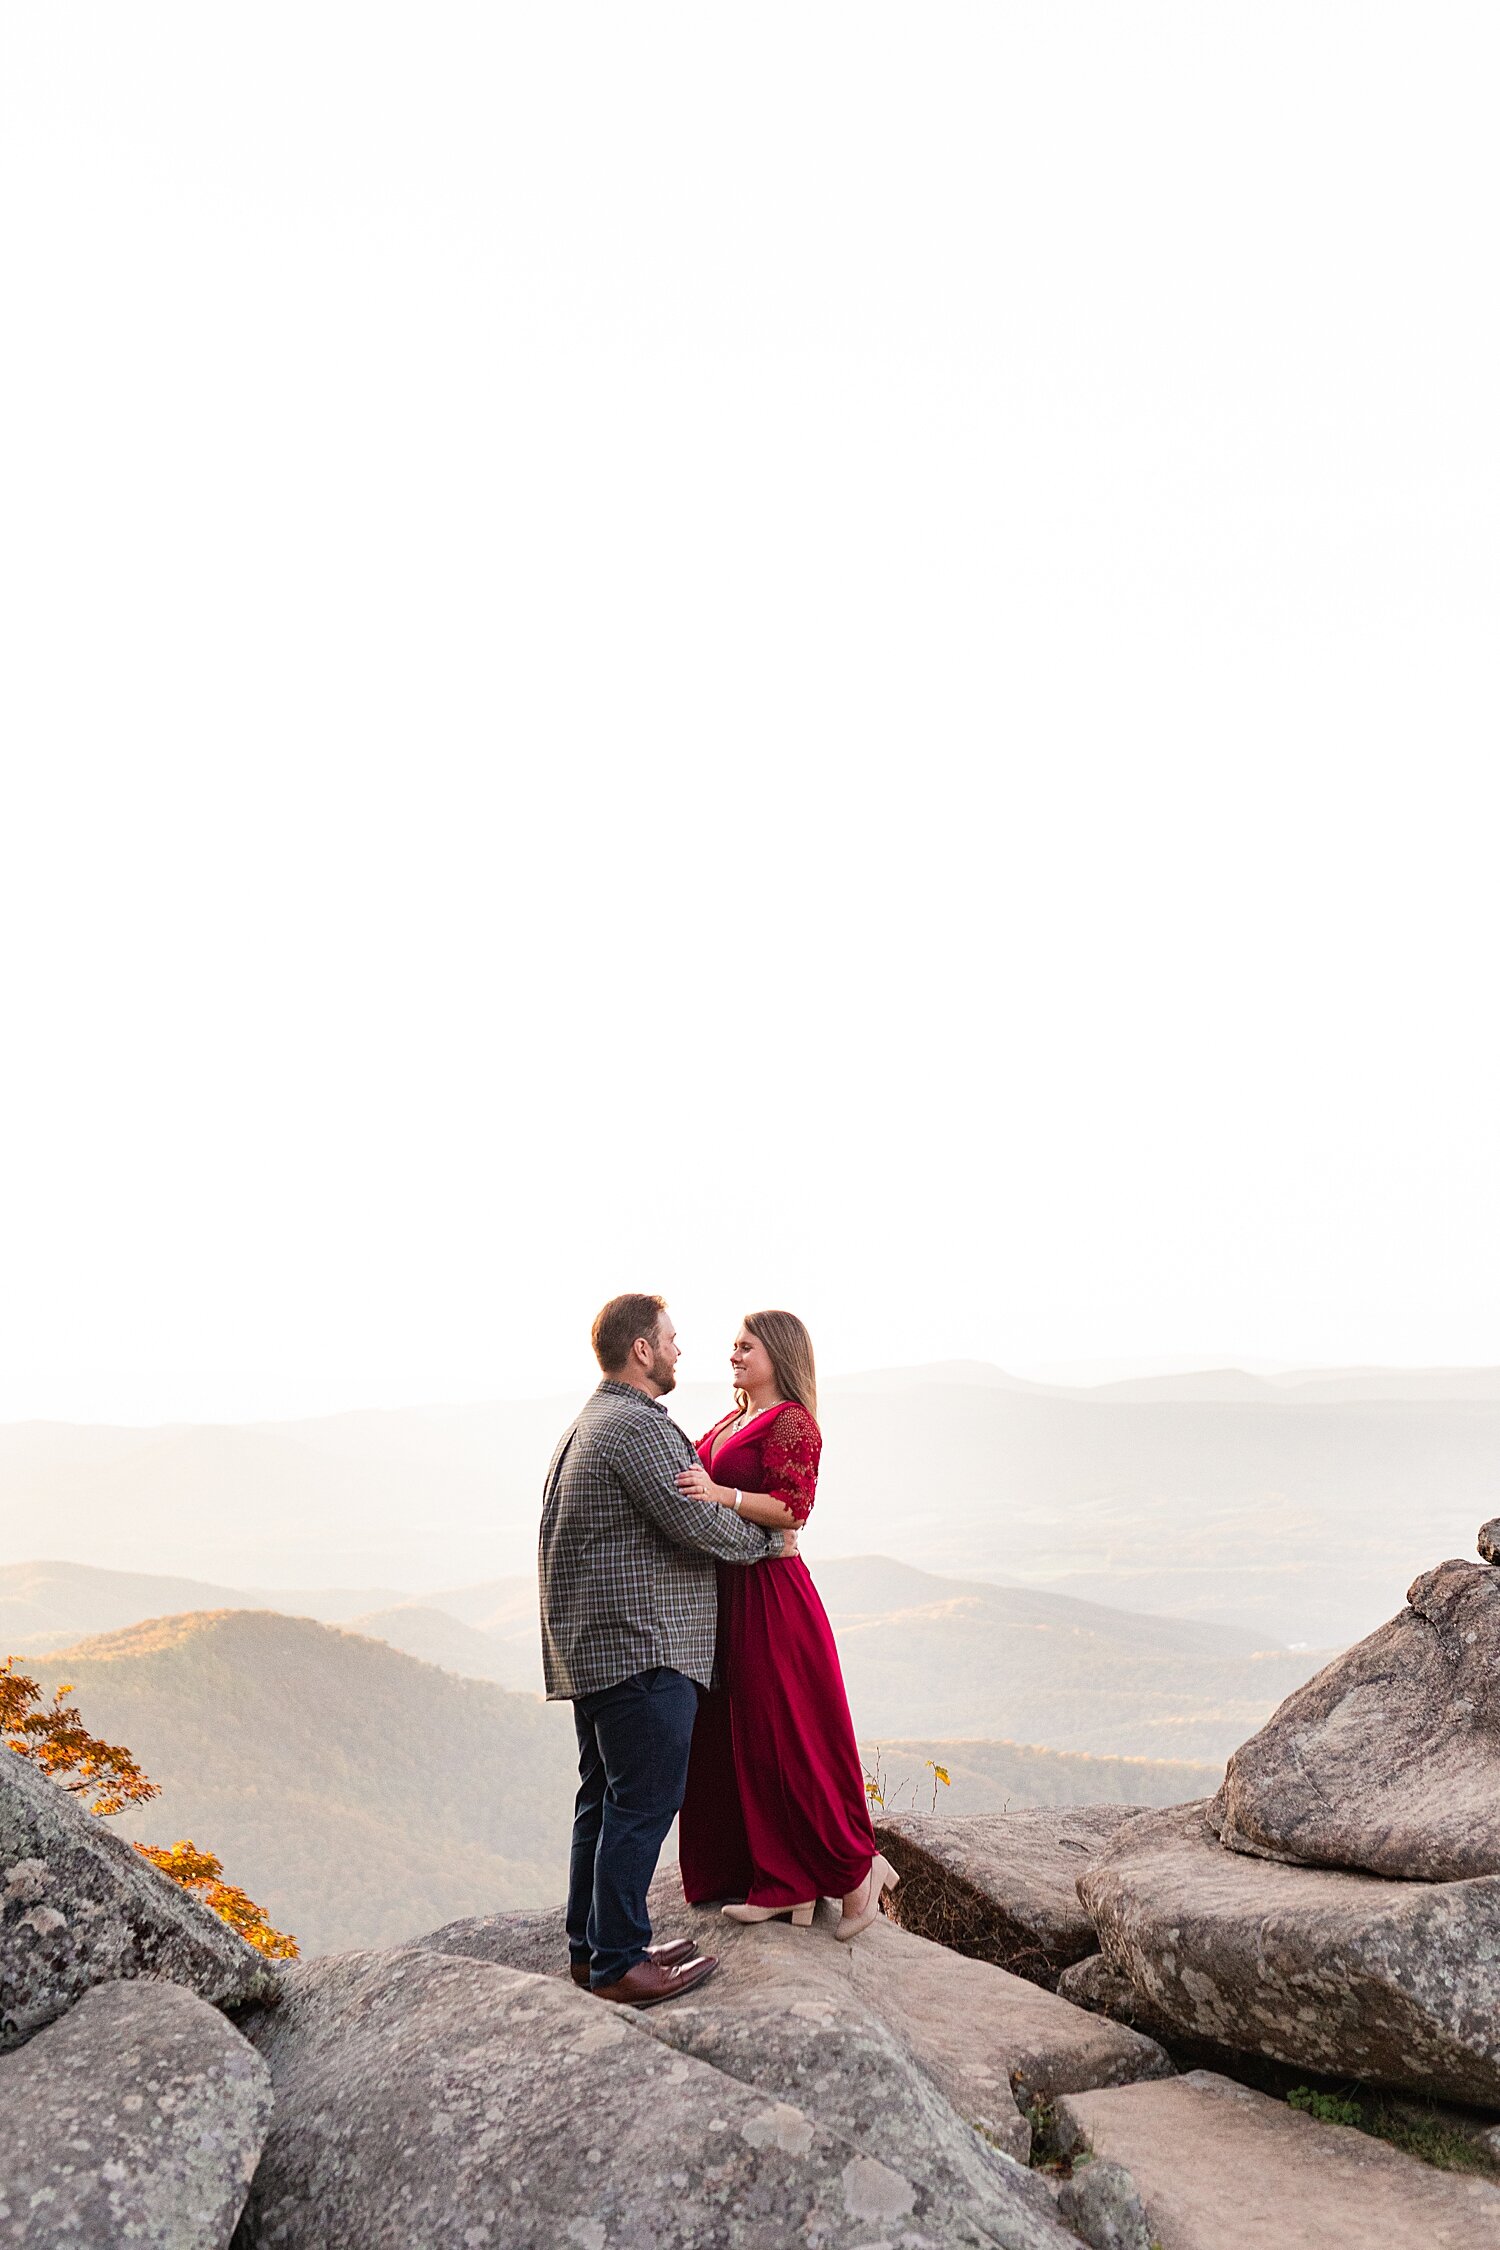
(775,1810)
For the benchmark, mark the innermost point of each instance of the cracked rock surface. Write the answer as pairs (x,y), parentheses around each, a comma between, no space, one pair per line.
(1346,1974)
(135,2119)
(1001,1886)
(1218,2167)
(427,2098)
(884,2039)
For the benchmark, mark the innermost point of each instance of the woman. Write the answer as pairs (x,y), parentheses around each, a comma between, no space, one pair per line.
(775,1811)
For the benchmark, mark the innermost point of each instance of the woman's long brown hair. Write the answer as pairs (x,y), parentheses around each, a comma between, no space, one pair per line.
(789,1349)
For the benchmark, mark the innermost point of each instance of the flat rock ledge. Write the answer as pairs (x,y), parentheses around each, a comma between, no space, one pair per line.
(137,2118)
(1343,1974)
(1213,2166)
(79,1907)
(893,2042)
(427,2098)
(1388,1761)
(1002,1887)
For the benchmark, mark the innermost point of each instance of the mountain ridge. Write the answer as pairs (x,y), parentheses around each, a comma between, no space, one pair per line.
(921,1654)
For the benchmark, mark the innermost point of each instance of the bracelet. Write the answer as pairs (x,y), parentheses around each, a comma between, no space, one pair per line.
(739,1496)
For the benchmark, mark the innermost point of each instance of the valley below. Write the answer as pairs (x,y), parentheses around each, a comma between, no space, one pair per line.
(321,1638)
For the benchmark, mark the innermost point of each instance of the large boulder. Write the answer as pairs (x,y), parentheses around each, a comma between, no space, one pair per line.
(1397,1983)
(79,1907)
(1389,1760)
(430,2098)
(883,2040)
(1213,2164)
(136,2118)
(1001,1886)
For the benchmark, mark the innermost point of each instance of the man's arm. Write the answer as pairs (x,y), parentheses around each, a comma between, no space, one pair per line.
(646,1464)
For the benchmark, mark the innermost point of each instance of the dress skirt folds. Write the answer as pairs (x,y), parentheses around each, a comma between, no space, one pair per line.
(775,1809)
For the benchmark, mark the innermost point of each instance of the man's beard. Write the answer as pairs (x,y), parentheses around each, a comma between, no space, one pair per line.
(663,1377)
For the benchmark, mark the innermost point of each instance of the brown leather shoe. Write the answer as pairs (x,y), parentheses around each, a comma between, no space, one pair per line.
(666,1956)
(647,1984)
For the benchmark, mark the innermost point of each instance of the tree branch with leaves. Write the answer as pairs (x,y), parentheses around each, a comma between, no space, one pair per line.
(105,1774)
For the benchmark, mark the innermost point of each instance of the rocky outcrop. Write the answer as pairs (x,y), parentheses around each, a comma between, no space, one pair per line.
(80,1907)
(1091,1983)
(428,2098)
(1346,1974)
(137,2118)
(883,2040)
(1388,1761)
(1001,1886)
(1102,2205)
(1212,2164)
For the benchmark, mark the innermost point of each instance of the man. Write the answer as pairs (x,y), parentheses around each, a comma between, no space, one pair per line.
(629,1618)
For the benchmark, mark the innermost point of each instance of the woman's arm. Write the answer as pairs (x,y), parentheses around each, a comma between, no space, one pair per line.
(754,1507)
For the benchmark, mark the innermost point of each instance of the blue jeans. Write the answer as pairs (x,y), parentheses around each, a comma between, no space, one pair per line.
(633,1743)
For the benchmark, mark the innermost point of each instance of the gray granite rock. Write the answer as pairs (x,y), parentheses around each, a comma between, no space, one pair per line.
(1094,1985)
(1489,1540)
(1350,1975)
(865,2033)
(1218,2167)
(427,2098)
(79,1907)
(792,2011)
(137,2118)
(1102,2206)
(1001,1886)
(1388,1761)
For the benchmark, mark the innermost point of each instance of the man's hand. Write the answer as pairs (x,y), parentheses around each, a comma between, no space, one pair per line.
(788,1544)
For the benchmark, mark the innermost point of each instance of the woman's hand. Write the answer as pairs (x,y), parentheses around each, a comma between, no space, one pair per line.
(697,1484)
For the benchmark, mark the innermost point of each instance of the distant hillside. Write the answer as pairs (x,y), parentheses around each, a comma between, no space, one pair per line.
(1309,1386)
(50,1605)
(46,1605)
(922,1654)
(1302,1505)
(438,1638)
(47,1598)
(360,1796)
(985,1777)
(364,1797)
(944,1657)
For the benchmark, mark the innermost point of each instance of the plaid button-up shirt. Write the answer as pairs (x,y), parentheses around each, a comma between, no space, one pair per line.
(626,1563)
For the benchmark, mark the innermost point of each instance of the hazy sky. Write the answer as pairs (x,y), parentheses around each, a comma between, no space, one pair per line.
(839,656)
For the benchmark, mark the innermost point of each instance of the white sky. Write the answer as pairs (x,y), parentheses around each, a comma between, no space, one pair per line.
(839,656)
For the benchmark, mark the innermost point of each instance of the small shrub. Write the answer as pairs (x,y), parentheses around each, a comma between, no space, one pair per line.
(1329,2109)
(1427,2137)
(1430,2141)
(885,1795)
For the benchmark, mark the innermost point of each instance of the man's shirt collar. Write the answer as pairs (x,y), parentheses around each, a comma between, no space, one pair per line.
(628,1390)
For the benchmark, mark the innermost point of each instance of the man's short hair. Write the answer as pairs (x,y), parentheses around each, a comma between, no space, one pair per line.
(619,1324)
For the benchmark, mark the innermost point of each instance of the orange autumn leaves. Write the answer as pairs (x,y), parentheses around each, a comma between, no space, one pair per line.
(54,1737)
(201,1873)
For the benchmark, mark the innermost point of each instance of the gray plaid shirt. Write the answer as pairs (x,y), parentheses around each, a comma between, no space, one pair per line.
(626,1563)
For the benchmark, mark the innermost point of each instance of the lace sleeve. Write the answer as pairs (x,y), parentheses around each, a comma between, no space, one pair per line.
(790,1457)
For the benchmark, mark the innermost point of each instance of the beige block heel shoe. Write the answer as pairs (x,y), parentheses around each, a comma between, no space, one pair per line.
(801,1915)
(881,1878)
